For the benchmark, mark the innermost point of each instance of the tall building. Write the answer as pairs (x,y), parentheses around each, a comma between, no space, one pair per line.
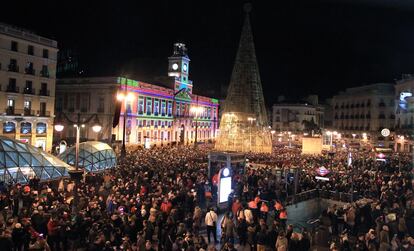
(365,109)
(404,120)
(292,116)
(244,121)
(154,114)
(28,78)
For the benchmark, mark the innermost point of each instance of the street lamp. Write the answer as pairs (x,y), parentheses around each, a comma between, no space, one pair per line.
(251,120)
(76,174)
(329,133)
(290,140)
(272,132)
(197,111)
(124,97)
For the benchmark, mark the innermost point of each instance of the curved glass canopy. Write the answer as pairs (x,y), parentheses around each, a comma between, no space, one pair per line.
(20,161)
(94,156)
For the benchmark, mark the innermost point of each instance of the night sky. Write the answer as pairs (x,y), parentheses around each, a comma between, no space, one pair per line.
(302,48)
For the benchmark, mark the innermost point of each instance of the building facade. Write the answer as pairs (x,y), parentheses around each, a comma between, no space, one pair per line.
(365,109)
(154,114)
(292,116)
(404,113)
(27,91)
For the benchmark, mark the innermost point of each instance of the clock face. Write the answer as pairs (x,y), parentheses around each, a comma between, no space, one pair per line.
(175,66)
(185,67)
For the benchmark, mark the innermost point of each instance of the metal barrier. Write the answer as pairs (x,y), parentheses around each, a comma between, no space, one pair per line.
(317,193)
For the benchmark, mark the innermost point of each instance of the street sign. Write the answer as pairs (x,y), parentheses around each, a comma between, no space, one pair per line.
(385,132)
(322,171)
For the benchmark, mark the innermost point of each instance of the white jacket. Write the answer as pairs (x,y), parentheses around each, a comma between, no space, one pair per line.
(211,218)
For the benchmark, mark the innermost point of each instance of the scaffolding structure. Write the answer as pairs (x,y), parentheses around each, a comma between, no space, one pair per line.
(244,125)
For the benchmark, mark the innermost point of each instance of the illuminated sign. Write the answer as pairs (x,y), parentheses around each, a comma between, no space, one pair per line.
(25,128)
(404,95)
(321,178)
(322,171)
(225,189)
(41,128)
(9,127)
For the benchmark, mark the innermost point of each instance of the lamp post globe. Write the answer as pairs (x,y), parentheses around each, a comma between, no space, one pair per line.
(59,127)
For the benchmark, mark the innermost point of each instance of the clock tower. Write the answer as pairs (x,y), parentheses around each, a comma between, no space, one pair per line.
(178,67)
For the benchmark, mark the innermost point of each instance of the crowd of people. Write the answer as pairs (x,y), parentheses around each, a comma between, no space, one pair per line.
(163,199)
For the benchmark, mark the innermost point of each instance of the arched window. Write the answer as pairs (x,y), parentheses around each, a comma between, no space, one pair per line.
(41,128)
(9,127)
(25,128)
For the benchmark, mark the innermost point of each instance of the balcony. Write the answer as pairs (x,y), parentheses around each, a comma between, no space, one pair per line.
(10,110)
(28,112)
(19,112)
(30,71)
(42,113)
(43,92)
(13,68)
(12,88)
(44,73)
(29,91)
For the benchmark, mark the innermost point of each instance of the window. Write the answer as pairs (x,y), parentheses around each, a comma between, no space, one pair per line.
(10,106)
(169,108)
(42,111)
(28,89)
(140,105)
(149,106)
(178,109)
(84,103)
(163,107)
(12,85)
(140,123)
(30,50)
(29,68)
(41,128)
(45,71)
(45,53)
(129,107)
(139,137)
(10,102)
(27,104)
(71,103)
(13,45)
(13,65)
(9,127)
(43,89)
(156,106)
(25,128)
(101,104)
